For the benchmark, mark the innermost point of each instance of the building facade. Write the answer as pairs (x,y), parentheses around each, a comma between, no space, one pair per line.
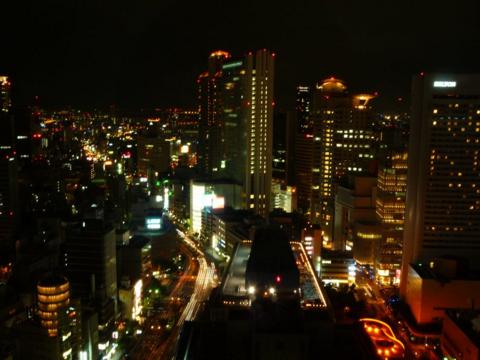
(390,209)
(343,143)
(443,195)
(236,123)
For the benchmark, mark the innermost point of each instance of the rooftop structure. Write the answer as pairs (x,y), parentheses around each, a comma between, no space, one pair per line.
(235,293)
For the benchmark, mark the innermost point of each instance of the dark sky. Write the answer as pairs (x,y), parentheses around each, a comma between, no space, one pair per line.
(149,52)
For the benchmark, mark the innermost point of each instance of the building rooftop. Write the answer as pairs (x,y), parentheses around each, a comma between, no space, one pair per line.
(233,284)
(468,321)
(138,241)
(53,280)
(445,273)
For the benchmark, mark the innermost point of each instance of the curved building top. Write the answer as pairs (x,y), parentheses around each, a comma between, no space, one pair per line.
(52,281)
(221,53)
(332,85)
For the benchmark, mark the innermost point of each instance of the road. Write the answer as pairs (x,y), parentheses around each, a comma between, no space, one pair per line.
(154,330)
(203,285)
(185,302)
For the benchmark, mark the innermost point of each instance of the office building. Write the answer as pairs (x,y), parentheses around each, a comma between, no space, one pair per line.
(215,194)
(302,108)
(390,209)
(8,169)
(303,150)
(184,124)
(443,194)
(236,123)
(210,117)
(90,260)
(443,283)
(53,295)
(153,155)
(247,98)
(56,332)
(283,196)
(355,214)
(343,144)
(337,267)
(284,132)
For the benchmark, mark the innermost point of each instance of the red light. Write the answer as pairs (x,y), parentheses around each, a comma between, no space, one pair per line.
(278,279)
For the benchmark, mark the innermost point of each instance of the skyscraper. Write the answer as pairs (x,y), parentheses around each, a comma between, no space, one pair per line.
(390,208)
(303,148)
(302,107)
(258,100)
(343,144)
(8,168)
(443,194)
(211,122)
(236,123)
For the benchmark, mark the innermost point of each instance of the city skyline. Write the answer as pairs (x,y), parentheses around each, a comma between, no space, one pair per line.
(150,54)
(249,180)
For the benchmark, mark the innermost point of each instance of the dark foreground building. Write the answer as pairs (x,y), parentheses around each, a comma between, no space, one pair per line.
(269,305)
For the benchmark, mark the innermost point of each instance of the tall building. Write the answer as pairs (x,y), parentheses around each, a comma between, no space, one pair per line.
(210,120)
(56,331)
(53,295)
(90,260)
(390,209)
(303,148)
(443,194)
(236,123)
(8,169)
(343,144)
(302,108)
(284,130)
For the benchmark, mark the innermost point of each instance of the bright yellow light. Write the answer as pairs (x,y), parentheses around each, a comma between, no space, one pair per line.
(220,53)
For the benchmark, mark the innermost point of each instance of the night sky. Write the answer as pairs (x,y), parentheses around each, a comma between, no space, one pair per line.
(143,53)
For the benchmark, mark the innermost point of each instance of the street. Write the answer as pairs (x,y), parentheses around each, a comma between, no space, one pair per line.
(184,302)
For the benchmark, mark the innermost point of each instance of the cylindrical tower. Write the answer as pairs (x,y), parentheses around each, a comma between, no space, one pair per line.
(53,294)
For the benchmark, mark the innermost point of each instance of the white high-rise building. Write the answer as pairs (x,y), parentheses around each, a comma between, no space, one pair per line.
(443,188)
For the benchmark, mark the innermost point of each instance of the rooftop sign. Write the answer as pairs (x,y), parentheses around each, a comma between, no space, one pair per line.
(445,84)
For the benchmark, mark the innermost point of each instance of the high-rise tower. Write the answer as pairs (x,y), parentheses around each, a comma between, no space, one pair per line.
(443,188)
(211,122)
(8,169)
(390,209)
(303,148)
(343,144)
(247,88)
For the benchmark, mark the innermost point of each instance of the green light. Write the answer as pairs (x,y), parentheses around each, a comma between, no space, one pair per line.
(232,65)
(157,183)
